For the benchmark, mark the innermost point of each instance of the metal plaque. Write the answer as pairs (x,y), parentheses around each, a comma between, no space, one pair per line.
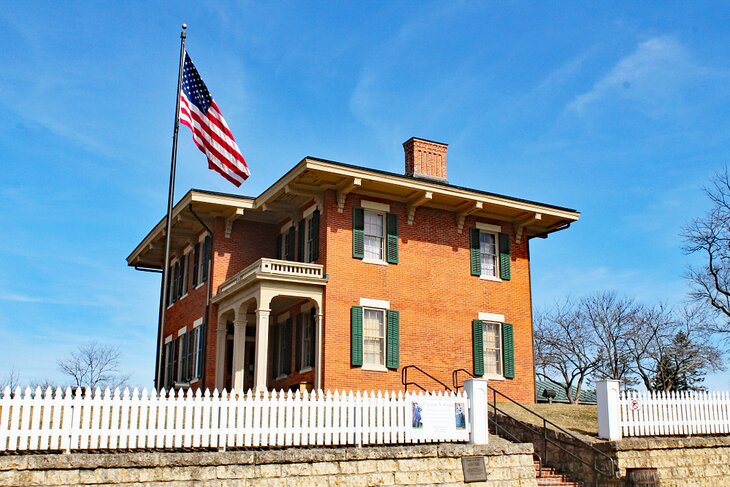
(474,469)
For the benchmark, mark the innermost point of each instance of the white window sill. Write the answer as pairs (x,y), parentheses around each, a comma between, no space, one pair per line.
(490,278)
(194,381)
(283,376)
(200,285)
(374,261)
(374,368)
(182,297)
(305,369)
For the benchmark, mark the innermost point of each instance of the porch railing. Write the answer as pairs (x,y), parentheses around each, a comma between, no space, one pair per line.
(274,268)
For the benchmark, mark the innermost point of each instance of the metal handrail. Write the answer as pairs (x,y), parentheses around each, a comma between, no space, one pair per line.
(404,378)
(611,474)
(455,378)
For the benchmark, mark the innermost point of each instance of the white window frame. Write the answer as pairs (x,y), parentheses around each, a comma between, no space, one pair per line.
(198,335)
(201,258)
(498,320)
(375,260)
(279,335)
(185,272)
(307,326)
(383,307)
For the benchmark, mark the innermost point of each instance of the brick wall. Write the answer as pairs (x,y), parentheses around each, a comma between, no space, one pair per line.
(434,292)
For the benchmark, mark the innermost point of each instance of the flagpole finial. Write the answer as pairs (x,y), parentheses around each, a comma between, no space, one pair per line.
(185,26)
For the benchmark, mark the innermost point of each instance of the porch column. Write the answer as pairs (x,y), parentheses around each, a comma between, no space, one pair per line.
(220,353)
(318,352)
(239,349)
(262,349)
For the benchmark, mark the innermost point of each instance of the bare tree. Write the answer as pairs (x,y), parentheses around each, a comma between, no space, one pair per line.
(613,322)
(709,236)
(683,360)
(10,379)
(653,330)
(564,349)
(94,365)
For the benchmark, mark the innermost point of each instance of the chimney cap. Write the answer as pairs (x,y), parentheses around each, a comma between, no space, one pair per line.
(425,140)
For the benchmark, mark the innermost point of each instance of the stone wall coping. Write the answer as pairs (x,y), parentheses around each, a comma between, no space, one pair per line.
(664,443)
(152,459)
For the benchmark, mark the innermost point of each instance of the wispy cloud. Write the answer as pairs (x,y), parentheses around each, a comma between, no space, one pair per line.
(653,78)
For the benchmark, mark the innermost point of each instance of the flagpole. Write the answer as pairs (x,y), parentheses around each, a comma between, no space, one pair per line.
(168,223)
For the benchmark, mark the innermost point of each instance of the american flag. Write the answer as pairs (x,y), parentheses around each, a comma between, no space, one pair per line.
(211,134)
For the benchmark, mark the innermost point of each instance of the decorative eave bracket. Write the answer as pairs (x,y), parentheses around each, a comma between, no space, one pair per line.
(237,213)
(418,200)
(343,189)
(465,210)
(523,222)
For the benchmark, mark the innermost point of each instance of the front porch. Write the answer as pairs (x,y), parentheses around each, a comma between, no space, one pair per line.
(269,333)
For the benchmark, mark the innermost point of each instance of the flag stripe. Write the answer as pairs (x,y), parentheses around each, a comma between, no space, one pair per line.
(227,144)
(200,113)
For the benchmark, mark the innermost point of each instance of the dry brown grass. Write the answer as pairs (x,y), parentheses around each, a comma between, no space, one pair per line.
(576,418)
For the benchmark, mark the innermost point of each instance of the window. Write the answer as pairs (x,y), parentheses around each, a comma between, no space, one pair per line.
(168,365)
(373,337)
(306,340)
(204,259)
(488,253)
(310,240)
(374,235)
(282,349)
(493,348)
(185,274)
(196,259)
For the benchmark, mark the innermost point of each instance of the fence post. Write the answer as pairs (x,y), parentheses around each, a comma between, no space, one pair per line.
(609,414)
(476,390)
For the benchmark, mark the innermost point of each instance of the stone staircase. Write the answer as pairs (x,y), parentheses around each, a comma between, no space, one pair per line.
(551,477)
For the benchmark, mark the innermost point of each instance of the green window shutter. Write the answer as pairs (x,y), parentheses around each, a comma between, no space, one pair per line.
(196,259)
(356,336)
(286,347)
(315,236)
(504,256)
(392,352)
(206,259)
(169,286)
(184,358)
(199,372)
(175,280)
(358,233)
(313,335)
(475,259)
(186,272)
(392,238)
(290,243)
(168,351)
(278,247)
(508,351)
(300,241)
(477,328)
(298,344)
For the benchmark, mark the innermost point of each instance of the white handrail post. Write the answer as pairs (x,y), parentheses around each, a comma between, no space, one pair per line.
(476,391)
(609,413)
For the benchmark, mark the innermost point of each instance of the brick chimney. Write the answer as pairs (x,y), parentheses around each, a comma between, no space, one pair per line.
(425,159)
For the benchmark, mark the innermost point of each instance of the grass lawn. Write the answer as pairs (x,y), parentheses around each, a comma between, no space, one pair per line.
(576,418)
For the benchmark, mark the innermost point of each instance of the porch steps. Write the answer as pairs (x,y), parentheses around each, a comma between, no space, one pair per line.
(551,477)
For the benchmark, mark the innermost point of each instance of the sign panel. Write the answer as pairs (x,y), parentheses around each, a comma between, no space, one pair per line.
(435,417)
(474,469)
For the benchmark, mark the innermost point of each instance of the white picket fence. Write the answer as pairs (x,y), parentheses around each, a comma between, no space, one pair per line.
(66,420)
(674,413)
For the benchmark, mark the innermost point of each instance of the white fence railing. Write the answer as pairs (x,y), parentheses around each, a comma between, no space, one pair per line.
(67,420)
(674,413)
(683,413)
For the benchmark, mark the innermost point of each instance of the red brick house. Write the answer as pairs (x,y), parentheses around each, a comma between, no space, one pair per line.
(338,276)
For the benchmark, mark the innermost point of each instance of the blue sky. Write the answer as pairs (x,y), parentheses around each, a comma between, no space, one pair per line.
(619,110)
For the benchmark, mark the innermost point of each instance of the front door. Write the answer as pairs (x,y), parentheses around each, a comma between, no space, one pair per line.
(248,366)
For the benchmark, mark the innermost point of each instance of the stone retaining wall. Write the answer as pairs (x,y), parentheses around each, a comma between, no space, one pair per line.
(508,465)
(687,461)
(680,462)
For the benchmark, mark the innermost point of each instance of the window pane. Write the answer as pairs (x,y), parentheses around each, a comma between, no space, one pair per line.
(493,348)
(488,251)
(374,336)
(373,235)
